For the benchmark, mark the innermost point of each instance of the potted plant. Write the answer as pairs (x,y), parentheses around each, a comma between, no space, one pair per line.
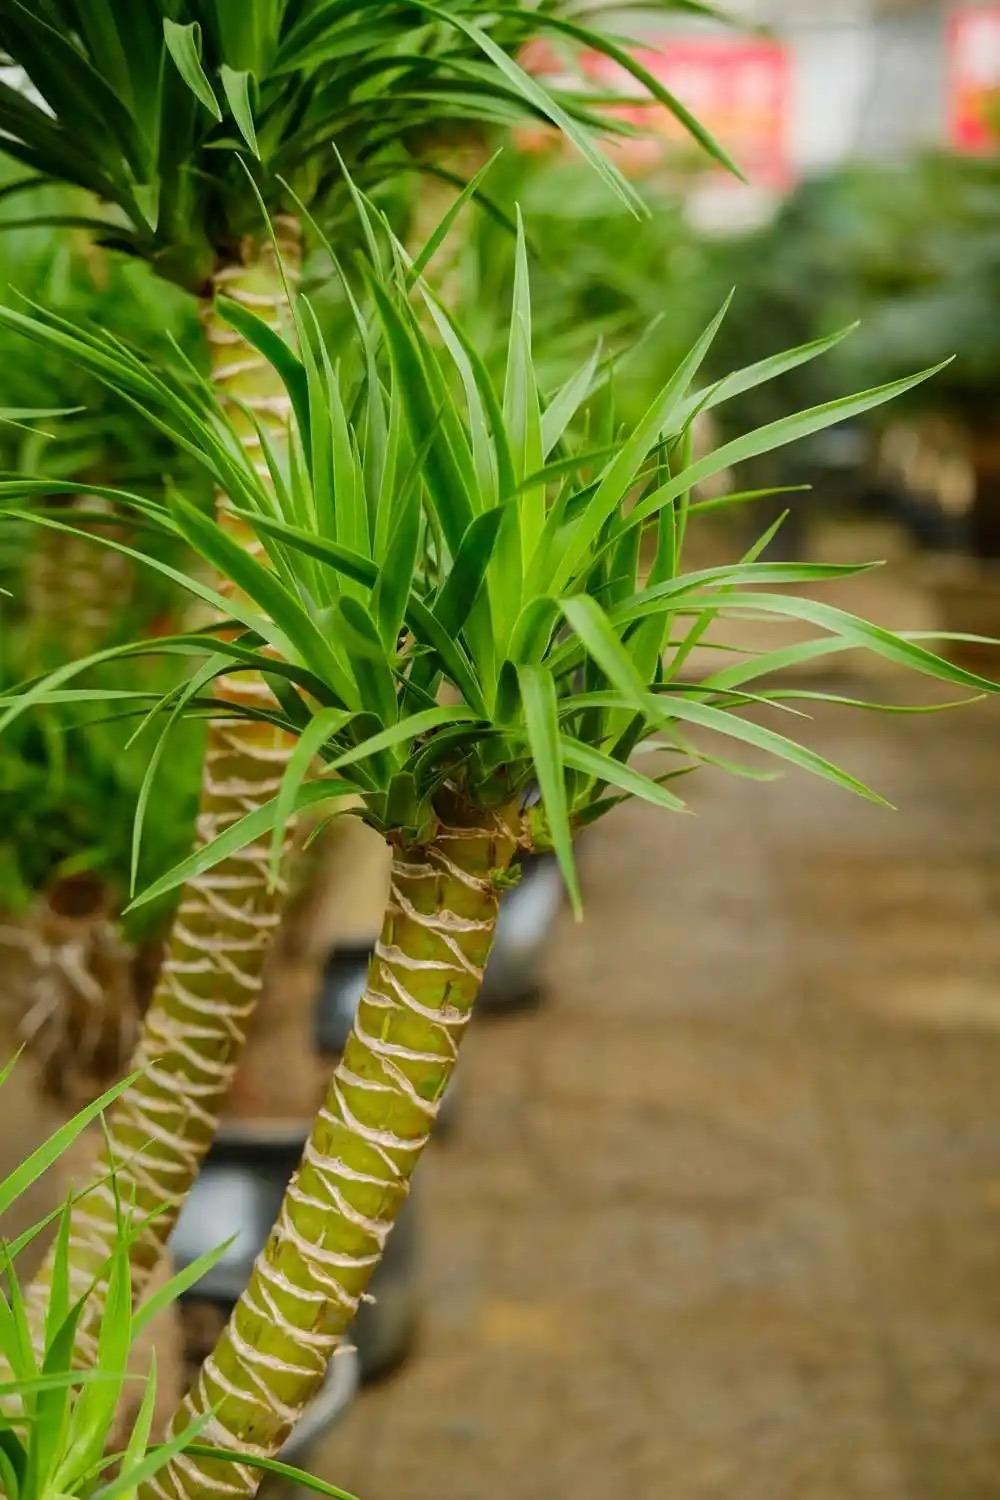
(141,109)
(475,613)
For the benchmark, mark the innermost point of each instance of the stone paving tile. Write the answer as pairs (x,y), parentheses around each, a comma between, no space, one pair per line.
(723,1217)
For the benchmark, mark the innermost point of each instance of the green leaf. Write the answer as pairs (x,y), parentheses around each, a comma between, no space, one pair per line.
(775,435)
(238,87)
(591,625)
(191,689)
(541,718)
(184,46)
(271,1466)
(885,643)
(617,478)
(741,381)
(39,1160)
(138,1440)
(419,618)
(59,1293)
(267,341)
(707,717)
(94,1412)
(532,92)
(440,233)
(316,733)
(13,1460)
(260,584)
(157,1458)
(253,826)
(604,768)
(177,1285)
(407,729)
(625,59)
(467,575)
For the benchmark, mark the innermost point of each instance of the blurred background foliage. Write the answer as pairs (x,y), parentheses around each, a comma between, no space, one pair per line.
(69,777)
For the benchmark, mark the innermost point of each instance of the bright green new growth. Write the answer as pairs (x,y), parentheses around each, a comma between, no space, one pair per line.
(464,590)
(56,1420)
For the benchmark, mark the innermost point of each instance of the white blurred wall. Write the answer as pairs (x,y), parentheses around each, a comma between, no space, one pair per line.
(870,75)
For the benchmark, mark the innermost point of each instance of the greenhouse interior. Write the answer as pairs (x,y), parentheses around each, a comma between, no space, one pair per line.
(499,553)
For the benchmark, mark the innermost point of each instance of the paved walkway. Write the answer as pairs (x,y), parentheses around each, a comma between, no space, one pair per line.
(723,1219)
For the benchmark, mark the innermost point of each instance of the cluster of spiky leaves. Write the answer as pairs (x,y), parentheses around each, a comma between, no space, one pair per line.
(141,104)
(477,586)
(56,1421)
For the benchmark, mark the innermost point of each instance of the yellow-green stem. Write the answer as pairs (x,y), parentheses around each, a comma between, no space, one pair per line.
(195,1028)
(356,1168)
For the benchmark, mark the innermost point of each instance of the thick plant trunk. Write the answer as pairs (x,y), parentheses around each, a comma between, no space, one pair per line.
(366,1140)
(194,1030)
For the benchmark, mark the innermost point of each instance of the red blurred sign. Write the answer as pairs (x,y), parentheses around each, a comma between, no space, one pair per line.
(974,64)
(740,90)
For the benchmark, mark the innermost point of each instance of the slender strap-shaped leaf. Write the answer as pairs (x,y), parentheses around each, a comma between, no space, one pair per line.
(599,637)
(171,1290)
(94,1411)
(138,1440)
(267,341)
(540,99)
(541,719)
(316,733)
(238,85)
(604,768)
(896,648)
(467,575)
(447,475)
(404,732)
(674,592)
(558,563)
(776,435)
(260,584)
(741,381)
(442,229)
(274,1466)
(560,412)
(184,45)
(189,691)
(746,497)
(366,653)
(704,715)
(247,830)
(129,1480)
(626,60)
(522,416)
(225,607)
(39,1160)
(707,717)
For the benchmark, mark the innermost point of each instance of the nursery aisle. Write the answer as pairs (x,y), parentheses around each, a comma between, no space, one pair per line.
(771,1272)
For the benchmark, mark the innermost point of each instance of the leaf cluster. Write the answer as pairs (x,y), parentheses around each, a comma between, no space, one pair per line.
(57,1420)
(476,585)
(142,104)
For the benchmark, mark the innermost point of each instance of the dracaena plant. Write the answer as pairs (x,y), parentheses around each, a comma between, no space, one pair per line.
(77,1434)
(141,107)
(475,611)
